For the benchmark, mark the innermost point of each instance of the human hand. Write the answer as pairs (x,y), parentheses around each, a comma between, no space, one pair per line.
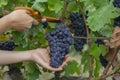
(20,20)
(42,57)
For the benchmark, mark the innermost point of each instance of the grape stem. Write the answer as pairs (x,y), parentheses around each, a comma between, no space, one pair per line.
(64,10)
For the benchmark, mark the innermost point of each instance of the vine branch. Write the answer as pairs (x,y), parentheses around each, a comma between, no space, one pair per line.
(88,39)
(110,63)
(64,10)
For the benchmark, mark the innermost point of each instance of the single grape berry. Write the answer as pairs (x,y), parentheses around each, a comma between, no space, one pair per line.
(59,41)
(78,26)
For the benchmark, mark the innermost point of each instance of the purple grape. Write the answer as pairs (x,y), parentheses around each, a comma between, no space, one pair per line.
(78,26)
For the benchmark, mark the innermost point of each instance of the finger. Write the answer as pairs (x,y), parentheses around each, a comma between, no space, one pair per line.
(48,49)
(53,69)
(67,59)
(29,26)
(46,57)
(35,22)
(24,11)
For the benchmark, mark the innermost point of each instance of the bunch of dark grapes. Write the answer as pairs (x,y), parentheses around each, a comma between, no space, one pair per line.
(99,41)
(7,45)
(103,61)
(116,3)
(117,22)
(78,26)
(59,41)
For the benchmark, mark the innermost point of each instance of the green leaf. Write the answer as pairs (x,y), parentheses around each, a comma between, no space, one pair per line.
(97,68)
(41,0)
(86,66)
(102,49)
(99,3)
(106,31)
(95,51)
(3,3)
(34,75)
(84,58)
(55,5)
(71,7)
(101,17)
(42,39)
(72,68)
(31,67)
(39,6)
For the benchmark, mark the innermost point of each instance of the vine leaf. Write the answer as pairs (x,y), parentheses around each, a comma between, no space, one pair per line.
(72,68)
(41,0)
(95,51)
(106,31)
(97,66)
(33,71)
(97,4)
(3,2)
(101,17)
(39,6)
(55,5)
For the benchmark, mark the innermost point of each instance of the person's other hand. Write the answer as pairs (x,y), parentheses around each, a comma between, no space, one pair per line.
(42,57)
(20,20)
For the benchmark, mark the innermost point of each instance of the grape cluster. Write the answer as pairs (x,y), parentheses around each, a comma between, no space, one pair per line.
(103,61)
(7,45)
(59,41)
(116,3)
(78,26)
(99,41)
(117,22)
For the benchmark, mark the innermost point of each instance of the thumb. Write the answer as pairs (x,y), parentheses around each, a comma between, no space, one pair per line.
(35,22)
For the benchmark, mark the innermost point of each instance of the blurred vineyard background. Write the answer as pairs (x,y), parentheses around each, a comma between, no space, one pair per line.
(98,20)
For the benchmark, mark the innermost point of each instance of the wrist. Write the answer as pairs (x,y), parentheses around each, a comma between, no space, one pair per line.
(28,56)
